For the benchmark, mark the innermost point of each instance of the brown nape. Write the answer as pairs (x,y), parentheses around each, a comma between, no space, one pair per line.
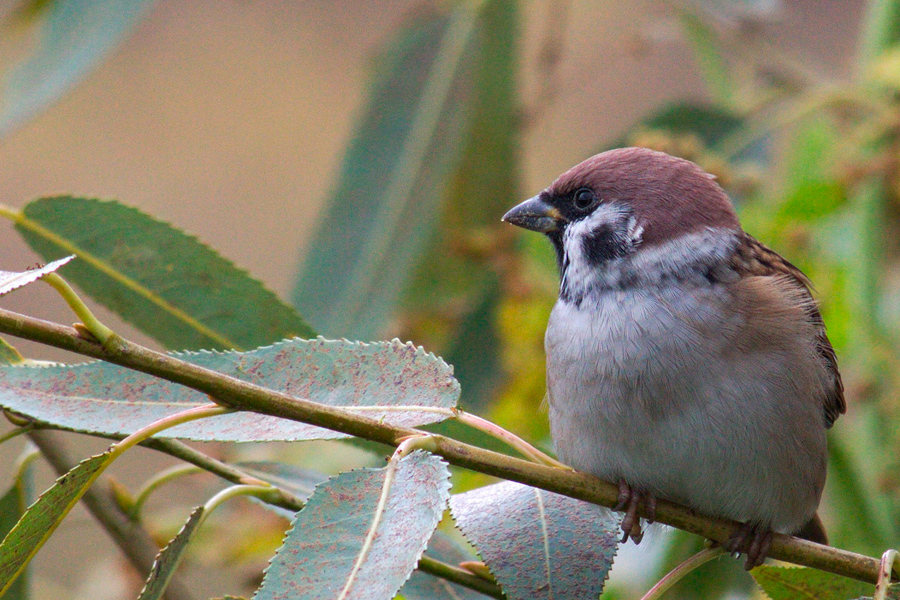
(670,196)
(814,531)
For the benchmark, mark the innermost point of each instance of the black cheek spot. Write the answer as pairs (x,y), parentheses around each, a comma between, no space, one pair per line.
(604,244)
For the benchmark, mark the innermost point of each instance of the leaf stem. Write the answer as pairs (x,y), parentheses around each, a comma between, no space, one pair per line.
(460,576)
(509,438)
(97,329)
(247,396)
(157,481)
(186,416)
(676,574)
(15,433)
(233,492)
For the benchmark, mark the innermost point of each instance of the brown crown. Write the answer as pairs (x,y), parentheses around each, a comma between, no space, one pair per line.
(670,196)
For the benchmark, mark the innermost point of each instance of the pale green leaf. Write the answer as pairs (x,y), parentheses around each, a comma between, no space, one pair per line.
(340,546)
(9,355)
(396,382)
(424,586)
(713,66)
(12,506)
(538,545)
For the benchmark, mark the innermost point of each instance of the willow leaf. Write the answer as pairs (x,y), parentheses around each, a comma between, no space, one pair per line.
(396,382)
(536,543)
(165,282)
(343,545)
(388,196)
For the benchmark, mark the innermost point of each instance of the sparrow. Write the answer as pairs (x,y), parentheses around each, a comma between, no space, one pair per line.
(685,359)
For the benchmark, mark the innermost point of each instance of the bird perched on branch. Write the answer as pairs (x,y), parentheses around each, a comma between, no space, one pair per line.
(685,360)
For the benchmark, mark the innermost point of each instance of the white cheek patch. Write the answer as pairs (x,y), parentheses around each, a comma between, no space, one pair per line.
(581,270)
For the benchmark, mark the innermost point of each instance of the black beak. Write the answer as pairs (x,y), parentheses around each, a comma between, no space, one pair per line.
(536,214)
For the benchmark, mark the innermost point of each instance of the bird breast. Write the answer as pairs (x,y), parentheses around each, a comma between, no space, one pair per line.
(694,393)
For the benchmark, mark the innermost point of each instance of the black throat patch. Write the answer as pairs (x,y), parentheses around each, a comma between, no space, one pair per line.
(606,243)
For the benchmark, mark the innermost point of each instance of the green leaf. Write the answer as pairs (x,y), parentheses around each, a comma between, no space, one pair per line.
(392,381)
(340,543)
(169,557)
(13,280)
(9,355)
(44,516)
(74,36)
(12,506)
(716,579)
(455,287)
(424,586)
(536,543)
(165,282)
(798,583)
(388,196)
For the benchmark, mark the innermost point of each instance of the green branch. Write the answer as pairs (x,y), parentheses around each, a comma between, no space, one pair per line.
(247,396)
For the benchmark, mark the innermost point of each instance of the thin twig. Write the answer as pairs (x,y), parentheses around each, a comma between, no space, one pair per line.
(247,396)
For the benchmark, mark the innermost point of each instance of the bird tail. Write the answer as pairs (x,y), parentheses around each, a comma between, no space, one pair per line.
(813,531)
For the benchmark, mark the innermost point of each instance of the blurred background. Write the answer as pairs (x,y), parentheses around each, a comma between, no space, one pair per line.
(356,157)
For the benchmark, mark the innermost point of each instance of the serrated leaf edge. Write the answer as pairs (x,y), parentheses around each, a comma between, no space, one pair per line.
(446,499)
(546,539)
(196,515)
(30,276)
(104,267)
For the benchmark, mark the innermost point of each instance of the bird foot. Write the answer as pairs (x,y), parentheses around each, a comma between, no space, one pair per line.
(753,540)
(630,500)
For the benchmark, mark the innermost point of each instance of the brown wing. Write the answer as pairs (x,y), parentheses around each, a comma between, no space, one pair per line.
(753,258)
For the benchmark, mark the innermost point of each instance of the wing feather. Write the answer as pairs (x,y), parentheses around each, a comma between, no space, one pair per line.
(751,258)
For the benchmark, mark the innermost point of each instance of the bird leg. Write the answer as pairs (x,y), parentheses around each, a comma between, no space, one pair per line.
(752,539)
(631,500)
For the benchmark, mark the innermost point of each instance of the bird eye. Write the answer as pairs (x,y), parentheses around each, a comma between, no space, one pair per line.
(584,198)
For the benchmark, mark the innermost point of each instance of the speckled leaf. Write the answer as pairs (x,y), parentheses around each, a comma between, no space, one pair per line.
(536,543)
(162,280)
(387,200)
(384,380)
(12,280)
(43,517)
(802,583)
(424,586)
(327,552)
(74,36)
(167,560)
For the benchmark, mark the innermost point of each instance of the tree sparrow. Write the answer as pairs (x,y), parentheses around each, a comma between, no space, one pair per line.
(685,360)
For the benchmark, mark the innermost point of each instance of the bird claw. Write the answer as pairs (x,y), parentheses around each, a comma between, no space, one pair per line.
(753,540)
(631,501)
